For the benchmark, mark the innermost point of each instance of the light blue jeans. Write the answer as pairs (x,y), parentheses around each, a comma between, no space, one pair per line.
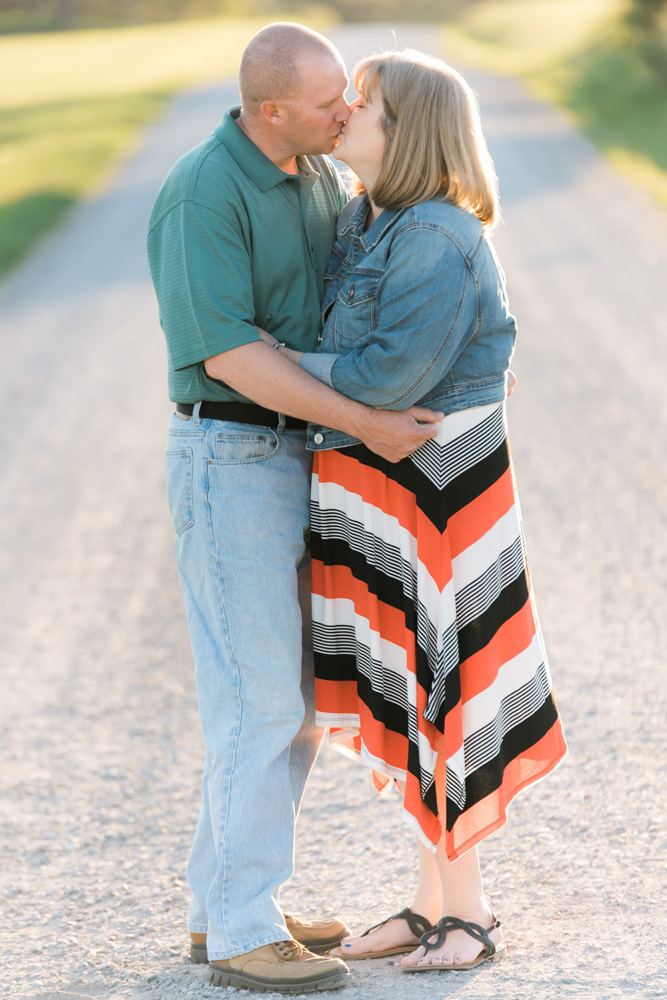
(238,496)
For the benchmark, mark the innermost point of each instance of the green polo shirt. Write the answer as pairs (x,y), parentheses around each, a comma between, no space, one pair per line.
(233,242)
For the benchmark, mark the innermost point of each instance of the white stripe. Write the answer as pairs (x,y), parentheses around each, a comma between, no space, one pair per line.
(365,528)
(461,421)
(475,560)
(483,707)
(448,455)
(485,744)
(388,673)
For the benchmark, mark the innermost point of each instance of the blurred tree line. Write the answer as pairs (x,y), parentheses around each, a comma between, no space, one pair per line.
(53,15)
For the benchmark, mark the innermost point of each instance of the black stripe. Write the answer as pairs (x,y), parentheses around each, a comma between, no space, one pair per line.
(334,552)
(438,505)
(471,638)
(342,667)
(478,633)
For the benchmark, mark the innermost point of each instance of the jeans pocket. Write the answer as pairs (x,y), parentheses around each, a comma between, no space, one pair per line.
(237,447)
(179,489)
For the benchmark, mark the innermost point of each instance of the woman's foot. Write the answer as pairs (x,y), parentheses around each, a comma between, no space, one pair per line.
(391,937)
(458,948)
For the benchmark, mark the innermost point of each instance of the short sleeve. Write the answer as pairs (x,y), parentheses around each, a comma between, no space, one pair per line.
(202,275)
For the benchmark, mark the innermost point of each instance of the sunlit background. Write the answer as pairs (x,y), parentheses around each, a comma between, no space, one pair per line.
(78,78)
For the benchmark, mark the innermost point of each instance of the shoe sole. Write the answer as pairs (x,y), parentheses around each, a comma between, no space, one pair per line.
(348,957)
(500,951)
(246,981)
(199,952)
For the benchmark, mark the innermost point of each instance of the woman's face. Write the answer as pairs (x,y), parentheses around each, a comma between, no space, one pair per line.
(362,142)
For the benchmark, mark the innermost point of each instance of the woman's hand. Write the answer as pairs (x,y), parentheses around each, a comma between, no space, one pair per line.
(287,352)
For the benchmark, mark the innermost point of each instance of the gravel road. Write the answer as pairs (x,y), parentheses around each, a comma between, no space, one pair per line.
(99,730)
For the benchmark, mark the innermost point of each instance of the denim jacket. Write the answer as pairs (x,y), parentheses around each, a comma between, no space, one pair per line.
(415,313)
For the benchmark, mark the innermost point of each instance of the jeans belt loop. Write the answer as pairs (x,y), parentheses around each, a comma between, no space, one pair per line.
(196,419)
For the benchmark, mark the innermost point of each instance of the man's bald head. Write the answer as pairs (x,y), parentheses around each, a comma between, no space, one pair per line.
(271,64)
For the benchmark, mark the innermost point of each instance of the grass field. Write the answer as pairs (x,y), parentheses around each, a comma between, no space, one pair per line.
(582,55)
(72,102)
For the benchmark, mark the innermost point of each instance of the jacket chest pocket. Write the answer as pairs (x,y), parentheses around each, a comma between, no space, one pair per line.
(356,315)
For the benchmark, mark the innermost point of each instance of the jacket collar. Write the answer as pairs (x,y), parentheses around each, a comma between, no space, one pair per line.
(372,236)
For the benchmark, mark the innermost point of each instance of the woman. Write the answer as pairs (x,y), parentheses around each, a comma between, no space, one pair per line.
(429,657)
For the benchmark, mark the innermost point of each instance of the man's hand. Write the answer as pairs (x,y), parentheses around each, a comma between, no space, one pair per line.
(511,382)
(395,434)
(273,381)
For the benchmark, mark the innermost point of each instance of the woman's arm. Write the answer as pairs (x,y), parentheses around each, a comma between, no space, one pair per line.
(428,310)
(296,356)
(278,345)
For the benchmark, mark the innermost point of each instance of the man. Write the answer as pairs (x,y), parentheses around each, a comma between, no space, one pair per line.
(240,235)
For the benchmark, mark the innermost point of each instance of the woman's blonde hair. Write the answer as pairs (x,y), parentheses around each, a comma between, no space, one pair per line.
(435,144)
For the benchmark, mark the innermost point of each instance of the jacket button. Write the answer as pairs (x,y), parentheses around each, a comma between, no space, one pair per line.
(319,438)
(350,294)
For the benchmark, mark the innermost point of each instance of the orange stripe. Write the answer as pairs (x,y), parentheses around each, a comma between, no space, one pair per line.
(490,813)
(393,499)
(435,550)
(338,582)
(387,621)
(473,521)
(336,697)
(485,816)
(414,804)
(480,670)
(370,484)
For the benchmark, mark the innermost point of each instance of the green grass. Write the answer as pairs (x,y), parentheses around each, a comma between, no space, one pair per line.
(71,103)
(584,56)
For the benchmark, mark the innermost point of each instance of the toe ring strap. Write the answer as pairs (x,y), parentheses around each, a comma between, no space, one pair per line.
(447,924)
(418,924)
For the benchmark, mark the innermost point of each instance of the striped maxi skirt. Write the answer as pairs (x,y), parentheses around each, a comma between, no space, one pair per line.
(429,660)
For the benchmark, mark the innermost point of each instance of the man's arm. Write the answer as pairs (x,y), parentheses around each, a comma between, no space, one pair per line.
(260,373)
(206,304)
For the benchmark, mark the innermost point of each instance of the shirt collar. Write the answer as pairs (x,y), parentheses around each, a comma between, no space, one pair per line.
(372,236)
(251,159)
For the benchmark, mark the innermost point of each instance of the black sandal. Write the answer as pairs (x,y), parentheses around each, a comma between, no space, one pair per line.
(418,926)
(490,953)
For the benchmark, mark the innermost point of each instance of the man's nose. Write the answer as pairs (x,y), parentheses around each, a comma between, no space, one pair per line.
(344,113)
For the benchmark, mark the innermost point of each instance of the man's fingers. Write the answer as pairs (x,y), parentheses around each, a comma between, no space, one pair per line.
(425,416)
(426,431)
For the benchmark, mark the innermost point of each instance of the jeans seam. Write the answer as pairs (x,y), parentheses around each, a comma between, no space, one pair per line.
(222,852)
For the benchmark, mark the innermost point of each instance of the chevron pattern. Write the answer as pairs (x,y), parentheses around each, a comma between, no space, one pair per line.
(429,659)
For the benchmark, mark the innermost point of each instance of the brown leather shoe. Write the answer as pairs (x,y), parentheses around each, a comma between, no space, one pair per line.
(318,936)
(283,967)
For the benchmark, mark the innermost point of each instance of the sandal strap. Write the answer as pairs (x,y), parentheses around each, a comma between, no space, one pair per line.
(447,924)
(416,922)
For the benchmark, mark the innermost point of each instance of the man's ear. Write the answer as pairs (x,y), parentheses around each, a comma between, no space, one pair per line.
(273,111)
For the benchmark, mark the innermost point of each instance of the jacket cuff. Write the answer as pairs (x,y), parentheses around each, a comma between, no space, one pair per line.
(319,366)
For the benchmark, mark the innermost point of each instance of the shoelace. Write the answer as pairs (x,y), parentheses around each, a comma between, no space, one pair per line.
(288,949)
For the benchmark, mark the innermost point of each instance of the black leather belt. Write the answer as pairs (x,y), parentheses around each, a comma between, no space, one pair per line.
(242,413)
